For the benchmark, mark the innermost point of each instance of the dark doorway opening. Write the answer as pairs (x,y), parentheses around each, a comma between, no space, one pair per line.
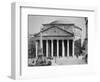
(70,47)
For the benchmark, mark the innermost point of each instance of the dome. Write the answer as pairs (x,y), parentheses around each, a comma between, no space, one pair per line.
(61,22)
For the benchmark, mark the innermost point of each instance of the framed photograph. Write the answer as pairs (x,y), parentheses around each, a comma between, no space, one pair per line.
(51,42)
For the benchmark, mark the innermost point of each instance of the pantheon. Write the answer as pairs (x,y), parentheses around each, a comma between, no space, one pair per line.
(57,39)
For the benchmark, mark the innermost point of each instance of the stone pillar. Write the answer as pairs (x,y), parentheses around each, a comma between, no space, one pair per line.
(36,42)
(73,48)
(68,48)
(41,45)
(52,48)
(63,49)
(57,48)
(46,48)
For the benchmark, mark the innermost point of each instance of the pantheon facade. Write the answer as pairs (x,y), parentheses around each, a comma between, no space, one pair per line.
(56,39)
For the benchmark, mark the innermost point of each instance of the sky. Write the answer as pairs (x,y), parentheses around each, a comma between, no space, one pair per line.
(35,22)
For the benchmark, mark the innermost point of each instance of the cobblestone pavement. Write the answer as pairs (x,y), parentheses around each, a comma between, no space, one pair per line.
(64,61)
(69,61)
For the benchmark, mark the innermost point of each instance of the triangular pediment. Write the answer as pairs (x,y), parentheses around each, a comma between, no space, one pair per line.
(55,31)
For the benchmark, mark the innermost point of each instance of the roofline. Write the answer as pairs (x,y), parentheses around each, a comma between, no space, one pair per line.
(58,24)
(78,27)
(52,27)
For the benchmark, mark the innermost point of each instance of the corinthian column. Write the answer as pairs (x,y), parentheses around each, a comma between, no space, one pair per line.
(63,48)
(52,48)
(57,48)
(46,48)
(73,48)
(68,48)
(36,47)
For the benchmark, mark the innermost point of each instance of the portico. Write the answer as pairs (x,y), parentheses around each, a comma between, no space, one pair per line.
(56,48)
